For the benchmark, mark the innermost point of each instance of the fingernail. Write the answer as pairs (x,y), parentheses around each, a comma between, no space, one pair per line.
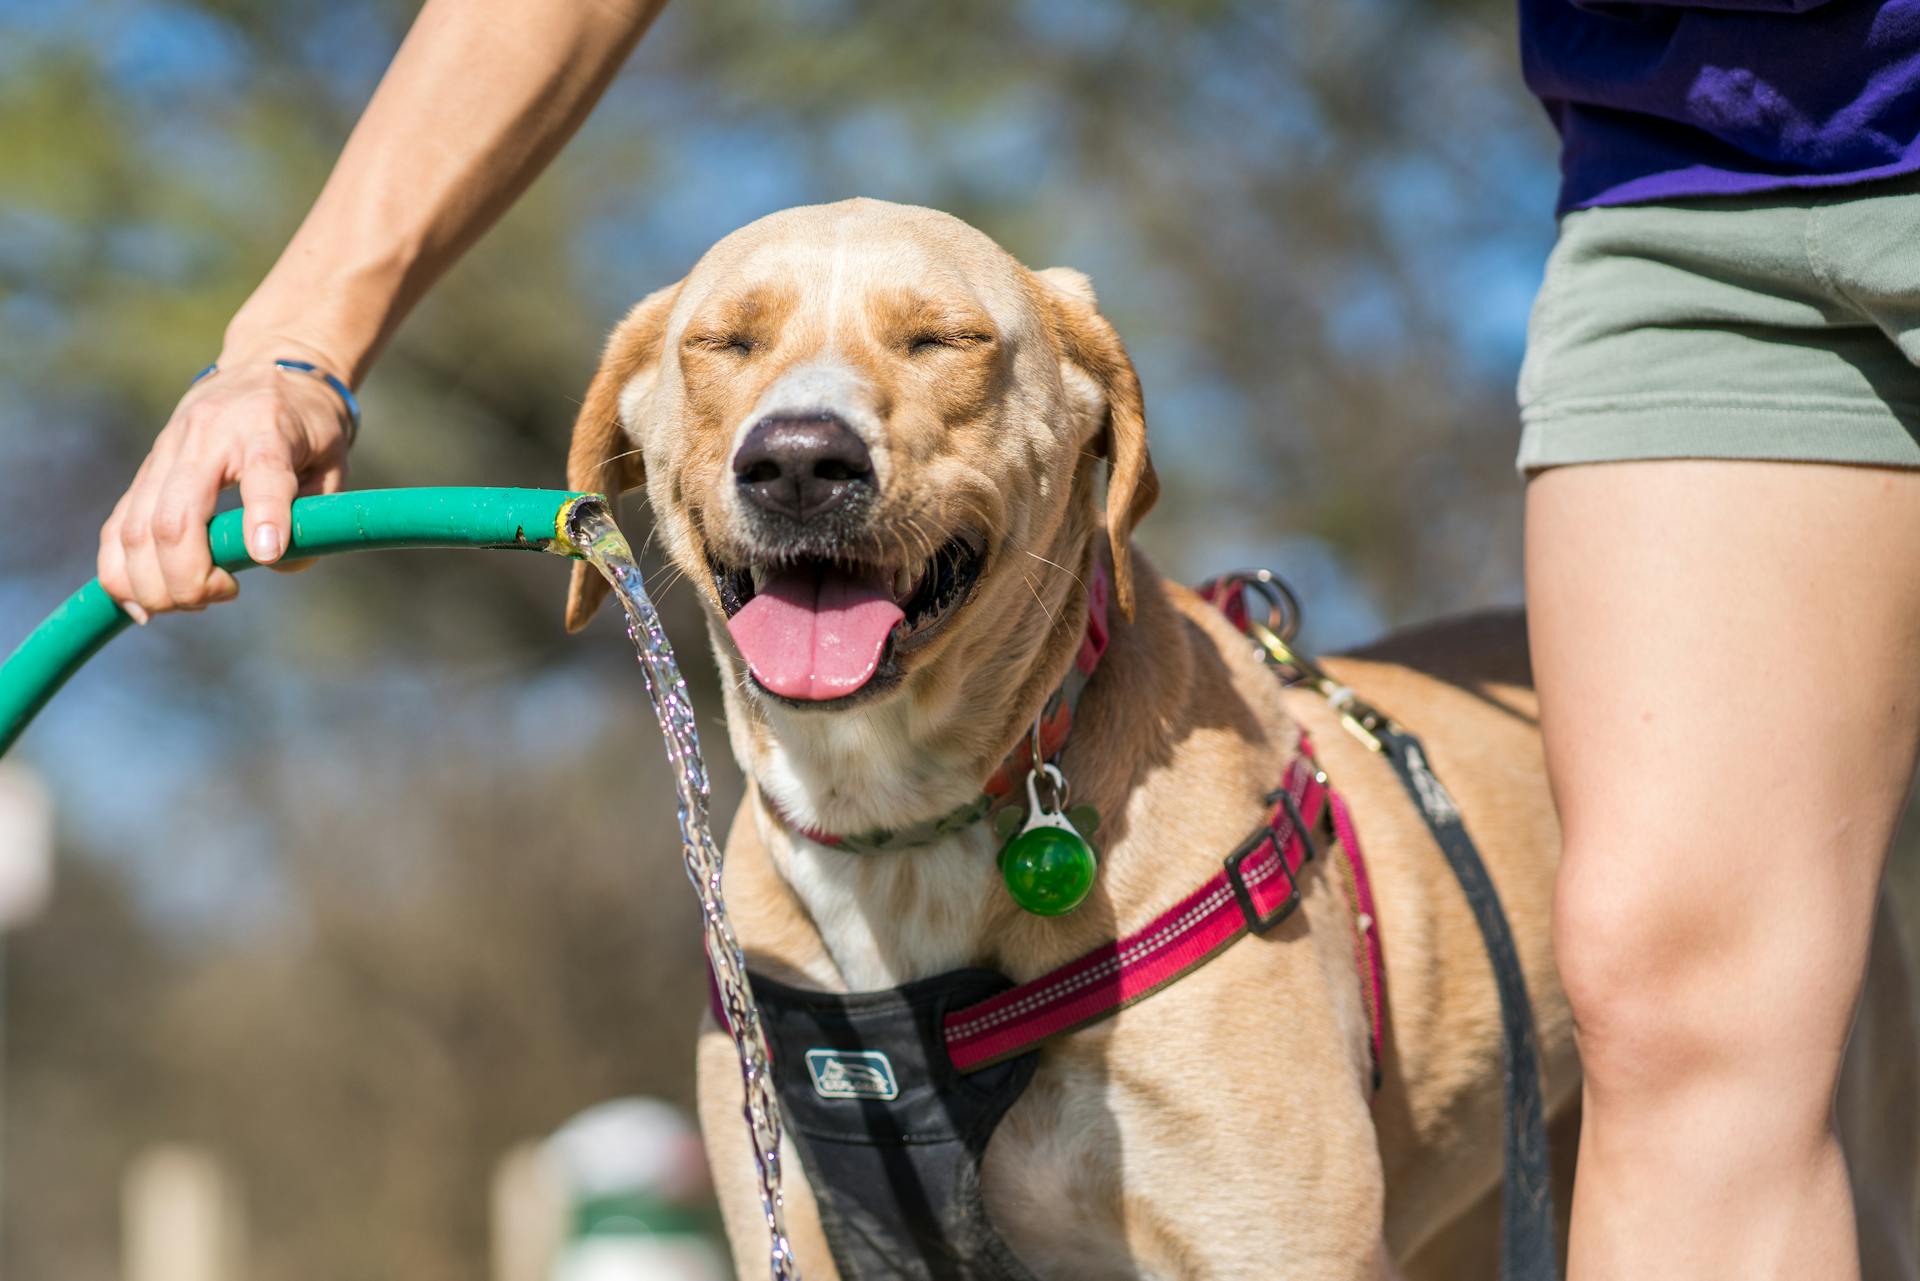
(137,614)
(266,542)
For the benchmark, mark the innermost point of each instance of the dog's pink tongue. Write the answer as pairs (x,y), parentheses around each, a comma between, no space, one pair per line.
(815,633)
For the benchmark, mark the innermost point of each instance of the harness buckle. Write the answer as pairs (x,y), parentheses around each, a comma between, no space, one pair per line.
(1236,875)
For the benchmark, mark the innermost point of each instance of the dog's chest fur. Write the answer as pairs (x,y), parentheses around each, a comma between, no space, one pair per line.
(889,918)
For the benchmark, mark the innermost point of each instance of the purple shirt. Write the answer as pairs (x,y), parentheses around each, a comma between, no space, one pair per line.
(1675,98)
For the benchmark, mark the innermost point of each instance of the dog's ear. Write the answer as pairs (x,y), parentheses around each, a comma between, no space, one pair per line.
(1088,342)
(602,460)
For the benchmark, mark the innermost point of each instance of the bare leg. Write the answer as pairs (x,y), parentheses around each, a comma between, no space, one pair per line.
(1728,657)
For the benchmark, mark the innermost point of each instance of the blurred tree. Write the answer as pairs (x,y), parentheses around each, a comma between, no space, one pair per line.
(372,874)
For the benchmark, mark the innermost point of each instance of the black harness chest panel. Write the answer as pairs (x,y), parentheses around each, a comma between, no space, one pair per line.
(890,1134)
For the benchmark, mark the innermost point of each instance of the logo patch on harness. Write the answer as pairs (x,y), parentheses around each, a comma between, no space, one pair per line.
(852,1074)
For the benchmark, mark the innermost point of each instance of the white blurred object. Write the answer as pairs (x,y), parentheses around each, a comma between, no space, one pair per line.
(628,1145)
(640,1258)
(182,1219)
(26,846)
(635,1175)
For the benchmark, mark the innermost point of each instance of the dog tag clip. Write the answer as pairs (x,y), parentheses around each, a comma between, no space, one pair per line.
(1048,866)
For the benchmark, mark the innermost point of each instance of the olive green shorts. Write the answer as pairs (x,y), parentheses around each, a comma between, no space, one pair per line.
(1784,326)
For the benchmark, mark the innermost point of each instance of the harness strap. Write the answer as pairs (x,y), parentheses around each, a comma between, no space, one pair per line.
(1527,1238)
(1367,956)
(1257,888)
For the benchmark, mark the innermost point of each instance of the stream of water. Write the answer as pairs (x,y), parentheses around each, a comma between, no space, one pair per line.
(591,528)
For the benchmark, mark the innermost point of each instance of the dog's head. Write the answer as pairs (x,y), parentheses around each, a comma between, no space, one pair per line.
(855,423)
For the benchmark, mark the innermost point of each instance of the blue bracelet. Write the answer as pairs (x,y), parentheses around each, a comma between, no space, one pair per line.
(312,370)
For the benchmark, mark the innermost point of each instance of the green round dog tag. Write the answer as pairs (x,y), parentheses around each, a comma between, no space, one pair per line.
(1048,870)
(1049,867)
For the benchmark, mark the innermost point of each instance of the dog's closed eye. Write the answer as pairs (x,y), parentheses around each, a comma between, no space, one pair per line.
(735,344)
(922,343)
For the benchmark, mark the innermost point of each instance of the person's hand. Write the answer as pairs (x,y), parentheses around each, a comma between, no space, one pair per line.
(279,434)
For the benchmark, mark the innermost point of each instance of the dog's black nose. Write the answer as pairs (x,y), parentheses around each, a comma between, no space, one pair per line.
(802,467)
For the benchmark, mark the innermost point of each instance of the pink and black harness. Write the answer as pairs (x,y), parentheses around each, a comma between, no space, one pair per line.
(892,1096)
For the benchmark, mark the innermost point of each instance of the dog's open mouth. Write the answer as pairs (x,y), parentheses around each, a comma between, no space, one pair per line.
(814,629)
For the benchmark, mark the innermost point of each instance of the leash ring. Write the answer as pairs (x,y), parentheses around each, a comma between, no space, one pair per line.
(1283,607)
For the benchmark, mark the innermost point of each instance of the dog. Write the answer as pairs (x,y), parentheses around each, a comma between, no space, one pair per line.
(901,468)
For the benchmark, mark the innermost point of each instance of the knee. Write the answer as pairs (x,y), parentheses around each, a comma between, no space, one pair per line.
(1678,985)
(1624,951)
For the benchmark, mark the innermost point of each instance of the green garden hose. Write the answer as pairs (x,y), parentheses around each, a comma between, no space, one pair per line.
(366,520)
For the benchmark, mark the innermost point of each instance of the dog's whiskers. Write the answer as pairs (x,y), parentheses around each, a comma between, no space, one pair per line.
(1051,621)
(900,543)
(1057,565)
(674,577)
(924,539)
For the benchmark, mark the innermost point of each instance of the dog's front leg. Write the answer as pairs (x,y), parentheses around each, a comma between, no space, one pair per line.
(735,1182)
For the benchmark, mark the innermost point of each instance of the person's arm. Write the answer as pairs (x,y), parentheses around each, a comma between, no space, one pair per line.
(480,97)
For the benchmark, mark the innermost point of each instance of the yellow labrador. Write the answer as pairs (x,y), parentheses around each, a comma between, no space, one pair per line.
(894,460)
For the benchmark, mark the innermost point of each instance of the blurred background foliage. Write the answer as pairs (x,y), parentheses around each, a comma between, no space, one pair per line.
(371,874)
